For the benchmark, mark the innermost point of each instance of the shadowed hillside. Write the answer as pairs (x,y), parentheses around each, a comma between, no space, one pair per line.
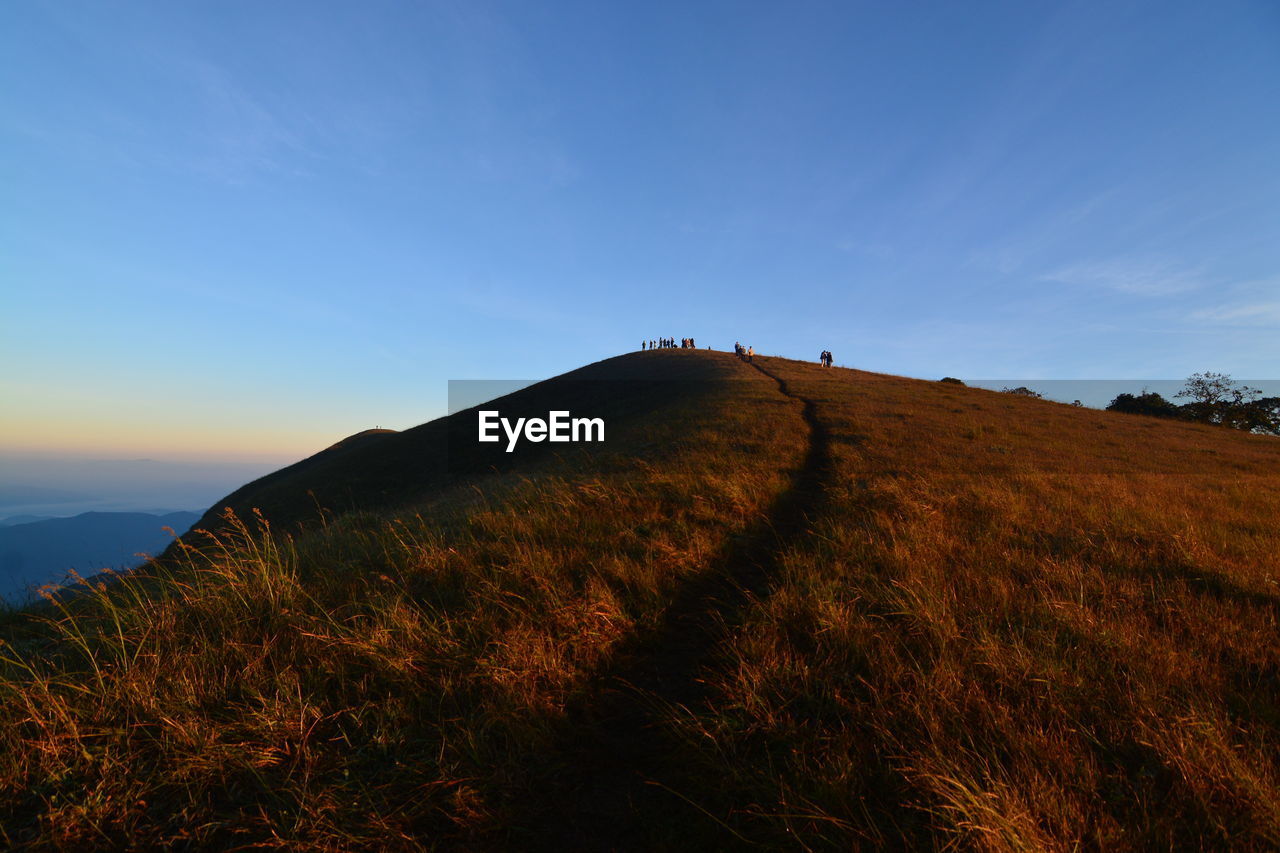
(782,606)
(641,399)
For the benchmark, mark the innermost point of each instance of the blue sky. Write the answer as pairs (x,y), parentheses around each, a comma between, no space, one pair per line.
(246,228)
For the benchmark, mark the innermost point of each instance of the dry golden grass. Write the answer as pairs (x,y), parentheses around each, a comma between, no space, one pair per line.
(386,681)
(1016,625)
(1007,624)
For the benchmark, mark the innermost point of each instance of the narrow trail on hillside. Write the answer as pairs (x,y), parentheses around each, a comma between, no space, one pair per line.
(616,778)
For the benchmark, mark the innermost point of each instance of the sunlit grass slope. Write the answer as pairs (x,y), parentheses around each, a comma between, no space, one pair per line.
(1016,625)
(970,619)
(389,678)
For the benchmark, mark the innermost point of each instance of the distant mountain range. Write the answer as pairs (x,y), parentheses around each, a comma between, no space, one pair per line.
(33,553)
(22,519)
(51,486)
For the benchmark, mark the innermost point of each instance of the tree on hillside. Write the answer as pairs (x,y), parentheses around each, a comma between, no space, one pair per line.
(1146,403)
(1261,414)
(1212,389)
(1215,398)
(1022,391)
(951,380)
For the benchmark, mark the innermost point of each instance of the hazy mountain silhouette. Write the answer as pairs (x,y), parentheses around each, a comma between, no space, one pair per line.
(41,552)
(52,486)
(22,519)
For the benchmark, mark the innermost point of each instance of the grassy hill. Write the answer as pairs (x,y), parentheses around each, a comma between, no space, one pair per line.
(781,606)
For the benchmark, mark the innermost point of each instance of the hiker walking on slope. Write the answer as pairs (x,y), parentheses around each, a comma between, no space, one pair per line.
(751,353)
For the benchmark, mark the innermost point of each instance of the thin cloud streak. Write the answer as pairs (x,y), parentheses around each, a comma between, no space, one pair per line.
(1136,276)
(1246,314)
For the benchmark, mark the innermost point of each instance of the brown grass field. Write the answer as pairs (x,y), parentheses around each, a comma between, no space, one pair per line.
(782,607)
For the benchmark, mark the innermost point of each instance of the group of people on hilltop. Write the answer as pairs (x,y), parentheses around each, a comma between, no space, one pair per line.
(667,343)
(745,353)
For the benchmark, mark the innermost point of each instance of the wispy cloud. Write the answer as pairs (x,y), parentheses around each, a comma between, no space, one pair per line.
(1249,304)
(1138,276)
(1241,314)
(1018,251)
(243,133)
(868,248)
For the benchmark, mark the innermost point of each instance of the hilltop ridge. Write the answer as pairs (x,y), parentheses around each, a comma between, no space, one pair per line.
(377,469)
